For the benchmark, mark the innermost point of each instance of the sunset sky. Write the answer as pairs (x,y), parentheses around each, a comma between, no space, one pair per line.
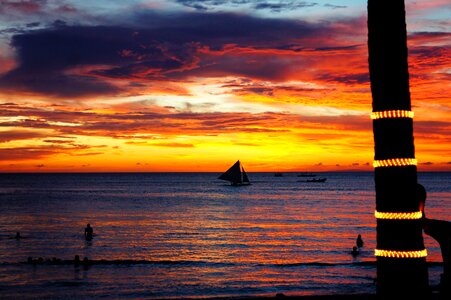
(191,85)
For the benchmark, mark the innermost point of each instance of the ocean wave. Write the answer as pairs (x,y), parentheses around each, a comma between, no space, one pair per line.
(55,261)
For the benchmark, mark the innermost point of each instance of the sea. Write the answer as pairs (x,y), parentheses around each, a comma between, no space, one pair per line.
(190,235)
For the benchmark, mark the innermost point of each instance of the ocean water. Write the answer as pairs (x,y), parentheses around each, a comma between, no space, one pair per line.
(189,235)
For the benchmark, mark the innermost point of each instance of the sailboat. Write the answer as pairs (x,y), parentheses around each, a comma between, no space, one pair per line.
(236,175)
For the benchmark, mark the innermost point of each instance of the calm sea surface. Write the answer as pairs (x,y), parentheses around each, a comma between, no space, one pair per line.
(191,235)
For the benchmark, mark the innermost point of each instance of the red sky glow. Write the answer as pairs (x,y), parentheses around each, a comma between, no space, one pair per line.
(187,85)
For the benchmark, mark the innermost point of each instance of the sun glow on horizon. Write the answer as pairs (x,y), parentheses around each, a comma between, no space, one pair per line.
(171,87)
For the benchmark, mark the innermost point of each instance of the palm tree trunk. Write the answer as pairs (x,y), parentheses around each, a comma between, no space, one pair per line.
(393,138)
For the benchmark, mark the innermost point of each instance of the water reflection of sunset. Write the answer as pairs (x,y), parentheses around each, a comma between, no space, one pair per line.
(164,231)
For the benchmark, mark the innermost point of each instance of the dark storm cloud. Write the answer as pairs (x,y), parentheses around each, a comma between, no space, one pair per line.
(429,49)
(334,6)
(431,56)
(282,5)
(359,78)
(339,48)
(73,61)
(427,35)
(54,83)
(217,29)
(33,24)
(11,30)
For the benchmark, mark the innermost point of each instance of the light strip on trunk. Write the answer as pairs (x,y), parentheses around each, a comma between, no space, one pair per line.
(392,114)
(395,162)
(398,215)
(401,254)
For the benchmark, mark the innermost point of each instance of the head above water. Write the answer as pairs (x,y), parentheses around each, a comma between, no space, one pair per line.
(420,194)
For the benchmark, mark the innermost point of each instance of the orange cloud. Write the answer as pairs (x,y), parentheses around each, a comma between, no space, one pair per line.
(282,92)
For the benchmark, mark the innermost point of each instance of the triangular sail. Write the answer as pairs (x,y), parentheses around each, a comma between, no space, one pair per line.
(245,178)
(233,174)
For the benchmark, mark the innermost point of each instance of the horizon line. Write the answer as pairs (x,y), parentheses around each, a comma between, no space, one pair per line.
(149,172)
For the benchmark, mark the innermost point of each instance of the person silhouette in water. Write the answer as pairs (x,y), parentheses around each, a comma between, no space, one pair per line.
(441,232)
(359,241)
(88,232)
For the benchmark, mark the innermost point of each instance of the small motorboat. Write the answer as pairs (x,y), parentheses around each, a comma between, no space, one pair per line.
(314,180)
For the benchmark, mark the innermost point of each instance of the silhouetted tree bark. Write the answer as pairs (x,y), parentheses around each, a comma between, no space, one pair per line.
(393,138)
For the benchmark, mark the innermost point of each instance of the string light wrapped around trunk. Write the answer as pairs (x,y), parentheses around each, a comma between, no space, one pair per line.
(389,114)
(395,162)
(392,114)
(398,215)
(400,254)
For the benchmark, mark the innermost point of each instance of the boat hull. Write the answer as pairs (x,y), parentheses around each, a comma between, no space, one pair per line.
(240,184)
(314,180)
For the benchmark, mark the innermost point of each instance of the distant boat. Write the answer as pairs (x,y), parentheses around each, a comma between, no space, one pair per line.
(236,175)
(314,180)
(307,175)
(278,174)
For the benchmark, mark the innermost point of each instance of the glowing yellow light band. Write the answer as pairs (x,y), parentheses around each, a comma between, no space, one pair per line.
(395,162)
(400,254)
(398,215)
(392,114)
